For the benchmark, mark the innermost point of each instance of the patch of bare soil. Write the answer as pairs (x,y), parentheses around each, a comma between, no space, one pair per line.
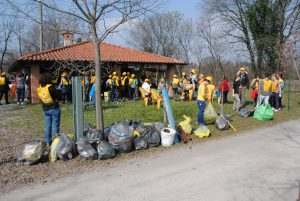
(14,175)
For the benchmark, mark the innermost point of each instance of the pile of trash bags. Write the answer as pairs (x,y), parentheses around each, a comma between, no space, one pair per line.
(120,137)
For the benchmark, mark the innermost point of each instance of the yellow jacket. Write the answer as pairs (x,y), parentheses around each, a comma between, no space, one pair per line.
(201,92)
(44,94)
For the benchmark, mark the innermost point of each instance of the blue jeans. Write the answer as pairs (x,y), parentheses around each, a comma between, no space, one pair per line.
(20,94)
(52,119)
(201,105)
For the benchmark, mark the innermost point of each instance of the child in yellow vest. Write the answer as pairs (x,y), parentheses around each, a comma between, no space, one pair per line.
(175,86)
(265,90)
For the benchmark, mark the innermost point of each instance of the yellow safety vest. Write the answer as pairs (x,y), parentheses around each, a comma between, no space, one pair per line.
(274,86)
(267,85)
(132,82)
(123,80)
(201,92)
(44,95)
(175,81)
(93,79)
(2,81)
(210,90)
(64,81)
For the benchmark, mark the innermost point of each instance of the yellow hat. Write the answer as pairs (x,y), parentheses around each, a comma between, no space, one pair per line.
(114,73)
(64,73)
(146,80)
(242,69)
(109,76)
(193,71)
(183,74)
(175,76)
(3,74)
(124,73)
(132,75)
(209,78)
(201,75)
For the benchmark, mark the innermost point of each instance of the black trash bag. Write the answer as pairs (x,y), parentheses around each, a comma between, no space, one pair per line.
(160,126)
(245,112)
(134,124)
(105,150)
(150,135)
(65,147)
(32,152)
(120,137)
(85,149)
(140,144)
(87,128)
(221,123)
(94,135)
(106,132)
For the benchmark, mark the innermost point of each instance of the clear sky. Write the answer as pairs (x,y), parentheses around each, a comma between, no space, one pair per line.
(190,8)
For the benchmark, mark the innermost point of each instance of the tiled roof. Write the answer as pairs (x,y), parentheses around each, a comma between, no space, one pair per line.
(84,51)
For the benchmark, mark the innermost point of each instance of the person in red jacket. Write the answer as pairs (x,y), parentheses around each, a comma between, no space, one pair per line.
(224,83)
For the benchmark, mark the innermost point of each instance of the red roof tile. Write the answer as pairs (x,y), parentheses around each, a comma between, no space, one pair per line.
(84,51)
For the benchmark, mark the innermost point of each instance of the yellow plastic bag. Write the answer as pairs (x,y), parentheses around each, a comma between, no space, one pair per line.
(136,133)
(186,125)
(202,132)
(52,155)
(210,114)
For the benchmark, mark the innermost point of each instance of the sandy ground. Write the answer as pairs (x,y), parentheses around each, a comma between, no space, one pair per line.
(259,165)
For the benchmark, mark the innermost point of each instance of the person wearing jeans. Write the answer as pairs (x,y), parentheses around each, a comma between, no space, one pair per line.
(201,102)
(265,89)
(49,97)
(237,100)
(20,89)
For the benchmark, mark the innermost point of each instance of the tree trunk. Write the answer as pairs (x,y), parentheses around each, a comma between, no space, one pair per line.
(99,112)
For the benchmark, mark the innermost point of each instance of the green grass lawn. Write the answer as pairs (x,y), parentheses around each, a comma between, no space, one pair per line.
(30,120)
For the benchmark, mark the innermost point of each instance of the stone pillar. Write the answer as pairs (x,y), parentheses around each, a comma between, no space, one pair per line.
(118,70)
(34,82)
(171,70)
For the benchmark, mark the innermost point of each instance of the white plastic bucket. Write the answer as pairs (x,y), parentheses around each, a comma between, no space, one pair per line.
(167,136)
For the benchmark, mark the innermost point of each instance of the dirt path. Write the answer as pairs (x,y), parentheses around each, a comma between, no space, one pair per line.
(260,165)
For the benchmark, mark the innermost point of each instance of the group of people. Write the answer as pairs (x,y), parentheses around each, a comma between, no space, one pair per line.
(267,90)
(19,87)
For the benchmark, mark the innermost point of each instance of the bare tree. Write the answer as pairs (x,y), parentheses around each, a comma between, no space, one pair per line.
(7,29)
(208,33)
(96,14)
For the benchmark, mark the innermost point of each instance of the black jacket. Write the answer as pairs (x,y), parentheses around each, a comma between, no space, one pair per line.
(245,81)
(55,95)
(236,86)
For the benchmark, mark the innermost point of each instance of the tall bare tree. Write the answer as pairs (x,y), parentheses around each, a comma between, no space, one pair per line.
(97,14)
(7,26)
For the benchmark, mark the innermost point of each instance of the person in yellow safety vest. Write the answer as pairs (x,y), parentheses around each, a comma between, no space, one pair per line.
(201,98)
(123,79)
(210,89)
(4,87)
(175,86)
(65,87)
(132,84)
(182,83)
(114,89)
(193,78)
(276,93)
(92,78)
(188,91)
(49,97)
(265,90)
